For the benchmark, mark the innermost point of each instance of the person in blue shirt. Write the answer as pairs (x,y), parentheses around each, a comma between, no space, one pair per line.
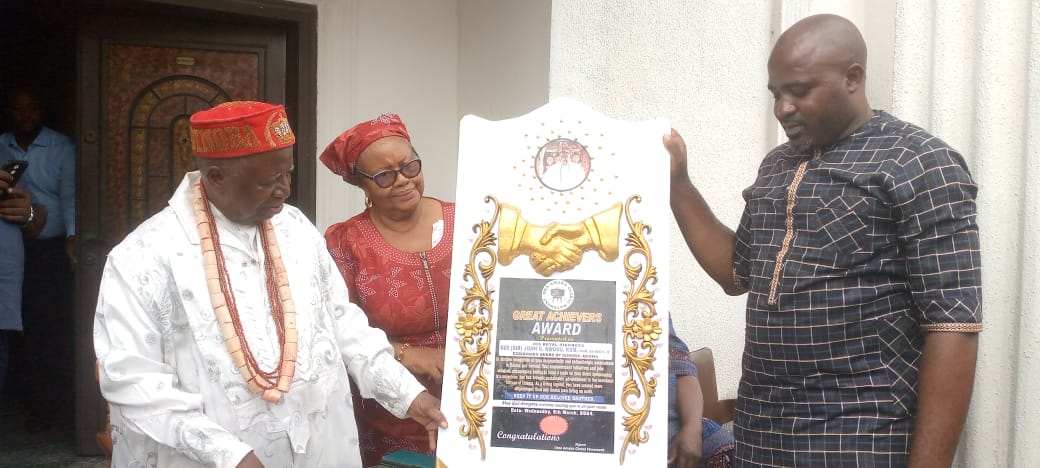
(45,355)
(51,176)
(17,214)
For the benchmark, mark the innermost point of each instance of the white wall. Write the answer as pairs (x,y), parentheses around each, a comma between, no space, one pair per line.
(377,56)
(969,71)
(431,62)
(701,64)
(503,57)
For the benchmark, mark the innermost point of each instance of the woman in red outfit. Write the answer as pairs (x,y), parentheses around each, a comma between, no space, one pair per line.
(396,259)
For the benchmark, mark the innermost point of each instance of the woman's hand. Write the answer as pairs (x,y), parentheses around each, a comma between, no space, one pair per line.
(686,447)
(422,362)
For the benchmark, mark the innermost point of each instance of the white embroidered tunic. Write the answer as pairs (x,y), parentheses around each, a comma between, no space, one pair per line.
(177,399)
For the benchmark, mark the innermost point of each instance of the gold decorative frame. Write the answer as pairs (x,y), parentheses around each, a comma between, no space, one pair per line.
(474,329)
(642,328)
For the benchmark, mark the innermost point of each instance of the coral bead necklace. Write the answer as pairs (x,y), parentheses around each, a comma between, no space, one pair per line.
(272,384)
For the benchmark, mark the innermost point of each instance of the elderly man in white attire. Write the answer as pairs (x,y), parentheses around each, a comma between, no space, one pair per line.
(224,332)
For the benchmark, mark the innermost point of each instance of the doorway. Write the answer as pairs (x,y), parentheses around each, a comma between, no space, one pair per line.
(129,74)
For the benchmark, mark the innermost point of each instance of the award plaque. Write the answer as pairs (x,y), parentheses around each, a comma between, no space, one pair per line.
(558,316)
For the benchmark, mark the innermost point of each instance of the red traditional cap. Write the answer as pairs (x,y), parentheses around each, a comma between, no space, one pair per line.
(342,154)
(240,128)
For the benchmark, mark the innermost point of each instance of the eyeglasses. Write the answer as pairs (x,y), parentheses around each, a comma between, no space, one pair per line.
(384,179)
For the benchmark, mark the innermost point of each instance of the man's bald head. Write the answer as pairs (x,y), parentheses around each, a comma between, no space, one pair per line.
(824,39)
(817,74)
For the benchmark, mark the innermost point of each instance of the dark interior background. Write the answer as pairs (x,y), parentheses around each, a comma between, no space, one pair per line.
(39,46)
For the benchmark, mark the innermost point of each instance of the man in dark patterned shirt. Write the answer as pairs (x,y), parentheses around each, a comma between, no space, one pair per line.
(859,251)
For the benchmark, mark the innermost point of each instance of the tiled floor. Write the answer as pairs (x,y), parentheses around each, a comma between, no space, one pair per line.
(51,449)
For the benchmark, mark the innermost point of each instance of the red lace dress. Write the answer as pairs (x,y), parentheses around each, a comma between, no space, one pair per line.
(393,288)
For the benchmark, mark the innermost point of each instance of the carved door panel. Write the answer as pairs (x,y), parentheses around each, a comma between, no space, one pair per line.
(139,86)
(150,92)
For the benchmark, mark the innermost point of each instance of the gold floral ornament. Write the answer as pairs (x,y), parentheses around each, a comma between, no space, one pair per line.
(469,325)
(641,330)
(271,384)
(558,247)
(648,329)
(474,329)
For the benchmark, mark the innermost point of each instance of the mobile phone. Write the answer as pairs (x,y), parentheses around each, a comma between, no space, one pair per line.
(15,167)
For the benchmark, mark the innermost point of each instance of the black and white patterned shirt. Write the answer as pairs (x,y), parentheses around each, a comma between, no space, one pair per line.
(850,254)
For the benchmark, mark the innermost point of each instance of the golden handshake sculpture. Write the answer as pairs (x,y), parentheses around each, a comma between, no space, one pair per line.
(557,247)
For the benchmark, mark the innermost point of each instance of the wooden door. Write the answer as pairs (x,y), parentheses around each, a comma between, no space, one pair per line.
(140,81)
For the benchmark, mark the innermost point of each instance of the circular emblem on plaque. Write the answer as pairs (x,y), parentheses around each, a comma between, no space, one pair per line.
(557,295)
(562,164)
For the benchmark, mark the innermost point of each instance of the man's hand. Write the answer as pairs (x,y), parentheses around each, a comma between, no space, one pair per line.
(425,410)
(250,461)
(944,387)
(710,241)
(14,208)
(677,149)
(5,182)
